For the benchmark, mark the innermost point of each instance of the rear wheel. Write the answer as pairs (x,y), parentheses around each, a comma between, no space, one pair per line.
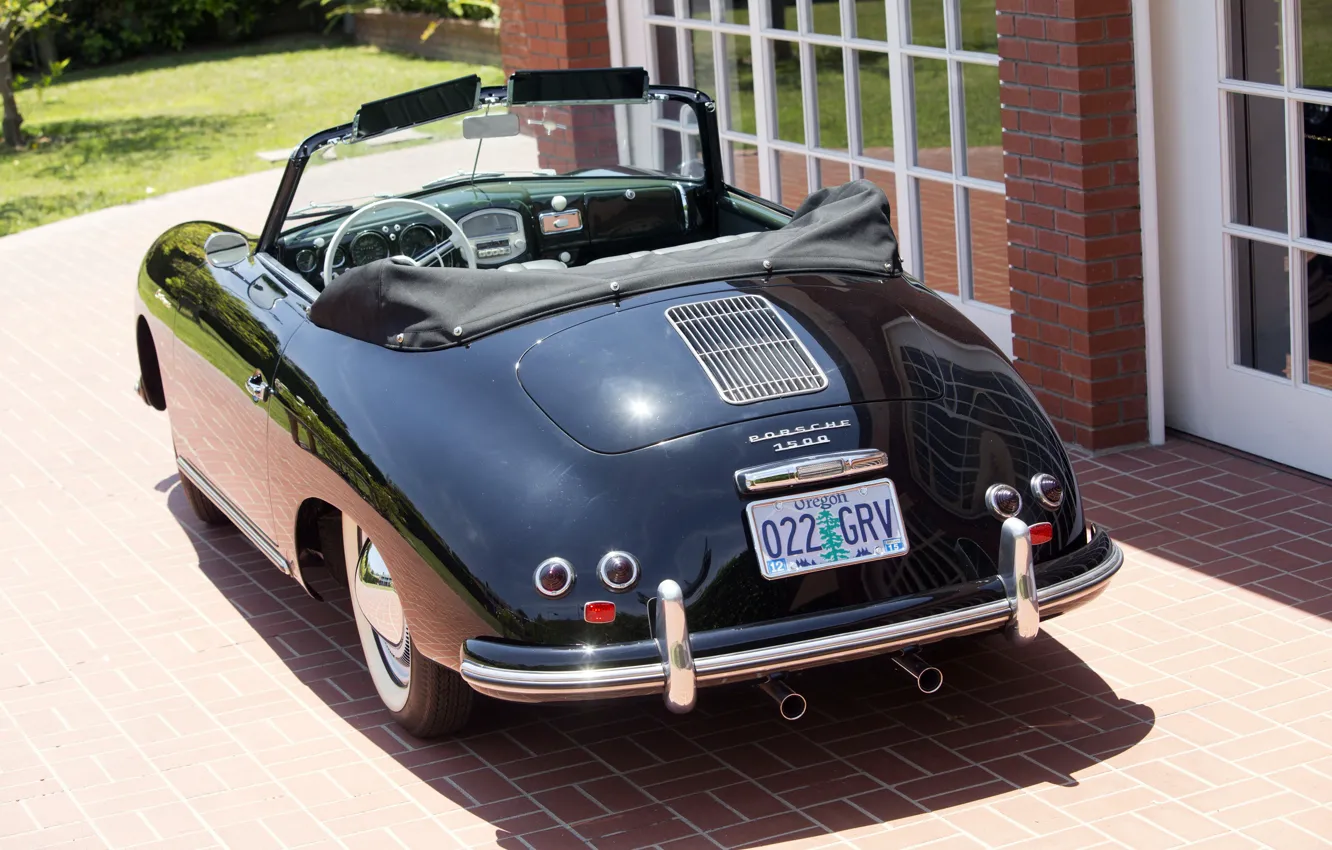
(425,698)
(202,506)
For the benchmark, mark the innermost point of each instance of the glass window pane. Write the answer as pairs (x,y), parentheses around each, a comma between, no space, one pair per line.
(1316,44)
(1255,40)
(831,104)
(1318,171)
(872,19)
(784,15)
(876,105)
(700,48)
(927,22)
(1262,306)
(735,11)
(826,16)
(1258,161)
(792,179)
(1319,333)
(832,173)
(663,7)
(938,229)
(979,31)
(740,81)
(699,9)
(668,67)
(985,155)
(744,167)
(790,93)
(989,247)
(933,133)
(887,181)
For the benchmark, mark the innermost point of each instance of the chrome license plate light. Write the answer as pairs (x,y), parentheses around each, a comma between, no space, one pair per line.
(827,529)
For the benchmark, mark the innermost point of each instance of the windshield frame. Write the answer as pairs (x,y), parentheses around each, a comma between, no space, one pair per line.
(703,106)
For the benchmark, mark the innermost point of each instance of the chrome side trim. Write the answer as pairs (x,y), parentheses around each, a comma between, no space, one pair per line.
(239,519)
(677,659)
(1015,570)
(808,470)
(642,679)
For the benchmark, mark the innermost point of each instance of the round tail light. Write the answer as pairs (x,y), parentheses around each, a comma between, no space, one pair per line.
(1003,501)
(1047,490)
(554,578)
(618,571)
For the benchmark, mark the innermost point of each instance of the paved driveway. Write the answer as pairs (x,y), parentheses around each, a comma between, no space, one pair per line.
(161,684)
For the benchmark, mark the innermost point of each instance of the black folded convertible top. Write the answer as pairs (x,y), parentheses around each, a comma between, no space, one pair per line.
(840,229)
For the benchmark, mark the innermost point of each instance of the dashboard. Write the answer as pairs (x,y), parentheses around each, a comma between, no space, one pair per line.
(566,219)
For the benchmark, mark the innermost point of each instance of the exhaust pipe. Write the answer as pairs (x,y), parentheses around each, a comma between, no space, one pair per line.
(791,704)
(928,679)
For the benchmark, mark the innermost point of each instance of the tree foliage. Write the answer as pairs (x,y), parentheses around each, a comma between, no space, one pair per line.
(473,9)
(18,17)
(99,31)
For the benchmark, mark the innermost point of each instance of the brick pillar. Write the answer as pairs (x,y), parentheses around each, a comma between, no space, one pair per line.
(552,34)
(558,34)
(1075,254)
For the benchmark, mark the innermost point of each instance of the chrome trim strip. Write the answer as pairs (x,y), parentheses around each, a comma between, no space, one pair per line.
(595,683)
(239,519)
(1015,570)
(808,470)
(677,658)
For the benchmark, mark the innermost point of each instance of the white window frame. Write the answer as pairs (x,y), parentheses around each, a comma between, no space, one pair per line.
(632,39)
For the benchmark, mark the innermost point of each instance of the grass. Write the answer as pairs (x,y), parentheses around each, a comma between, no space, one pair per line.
(980,82)
(118,134)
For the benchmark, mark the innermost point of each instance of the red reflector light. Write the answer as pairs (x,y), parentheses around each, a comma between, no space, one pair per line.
(1041,532)
(599,612)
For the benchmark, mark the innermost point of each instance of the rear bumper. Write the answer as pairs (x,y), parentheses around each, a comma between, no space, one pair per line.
(678,674)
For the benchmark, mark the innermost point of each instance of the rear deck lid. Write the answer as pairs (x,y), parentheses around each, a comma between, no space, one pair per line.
(670,366)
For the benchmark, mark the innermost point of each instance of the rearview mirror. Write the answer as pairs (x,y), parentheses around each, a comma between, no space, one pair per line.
(226,249)
(490,126)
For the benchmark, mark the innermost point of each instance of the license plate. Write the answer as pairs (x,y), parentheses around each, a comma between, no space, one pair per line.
(805,532)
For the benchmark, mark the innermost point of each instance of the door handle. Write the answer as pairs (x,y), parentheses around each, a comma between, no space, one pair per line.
(257,387)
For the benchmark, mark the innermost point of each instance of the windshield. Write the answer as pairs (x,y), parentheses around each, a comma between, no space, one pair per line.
(658,137)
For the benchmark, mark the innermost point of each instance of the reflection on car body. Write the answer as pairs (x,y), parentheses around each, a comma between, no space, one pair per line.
(698,439)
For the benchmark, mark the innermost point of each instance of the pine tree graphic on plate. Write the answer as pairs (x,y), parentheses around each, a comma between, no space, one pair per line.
(830,532)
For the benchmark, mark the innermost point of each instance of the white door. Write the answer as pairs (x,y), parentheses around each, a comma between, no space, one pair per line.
(814,93)
(1244,147)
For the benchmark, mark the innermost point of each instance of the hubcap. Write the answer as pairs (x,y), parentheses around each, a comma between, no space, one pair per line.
(385,638)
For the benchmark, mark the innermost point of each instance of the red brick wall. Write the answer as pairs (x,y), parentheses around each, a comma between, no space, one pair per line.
(1071,171)
(552,34)
(555,35)
(453,39)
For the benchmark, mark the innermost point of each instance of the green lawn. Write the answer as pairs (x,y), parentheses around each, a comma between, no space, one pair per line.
(125,132)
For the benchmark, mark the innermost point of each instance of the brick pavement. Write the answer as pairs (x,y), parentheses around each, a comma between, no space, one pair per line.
(162,685)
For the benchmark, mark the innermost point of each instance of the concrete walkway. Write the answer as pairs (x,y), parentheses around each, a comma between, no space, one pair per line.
(162,685)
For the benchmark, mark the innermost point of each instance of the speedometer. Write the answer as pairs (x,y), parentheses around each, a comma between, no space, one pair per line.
(368,247)
(416,239)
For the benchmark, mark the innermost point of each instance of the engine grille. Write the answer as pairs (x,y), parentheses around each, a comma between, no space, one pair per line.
(747,349)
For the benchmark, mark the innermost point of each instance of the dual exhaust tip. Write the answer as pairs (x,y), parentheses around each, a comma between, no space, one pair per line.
(792,706)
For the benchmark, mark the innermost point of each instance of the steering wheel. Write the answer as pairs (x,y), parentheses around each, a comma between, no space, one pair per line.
(456,235)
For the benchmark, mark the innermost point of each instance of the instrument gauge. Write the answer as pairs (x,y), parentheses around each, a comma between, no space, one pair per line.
(339,258)
(368,247)
(305,260)
(416,239)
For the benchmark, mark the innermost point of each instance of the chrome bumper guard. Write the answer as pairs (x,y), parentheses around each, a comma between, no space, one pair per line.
(679,675)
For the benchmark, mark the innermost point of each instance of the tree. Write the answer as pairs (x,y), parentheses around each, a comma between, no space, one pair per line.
(16,18)
(830,532)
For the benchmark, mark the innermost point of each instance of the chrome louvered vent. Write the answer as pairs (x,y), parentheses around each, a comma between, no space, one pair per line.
(747,349)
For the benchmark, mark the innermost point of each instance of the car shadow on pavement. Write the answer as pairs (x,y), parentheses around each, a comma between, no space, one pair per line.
(872,750)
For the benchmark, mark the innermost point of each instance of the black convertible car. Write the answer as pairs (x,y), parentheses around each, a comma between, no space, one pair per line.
(604,426)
